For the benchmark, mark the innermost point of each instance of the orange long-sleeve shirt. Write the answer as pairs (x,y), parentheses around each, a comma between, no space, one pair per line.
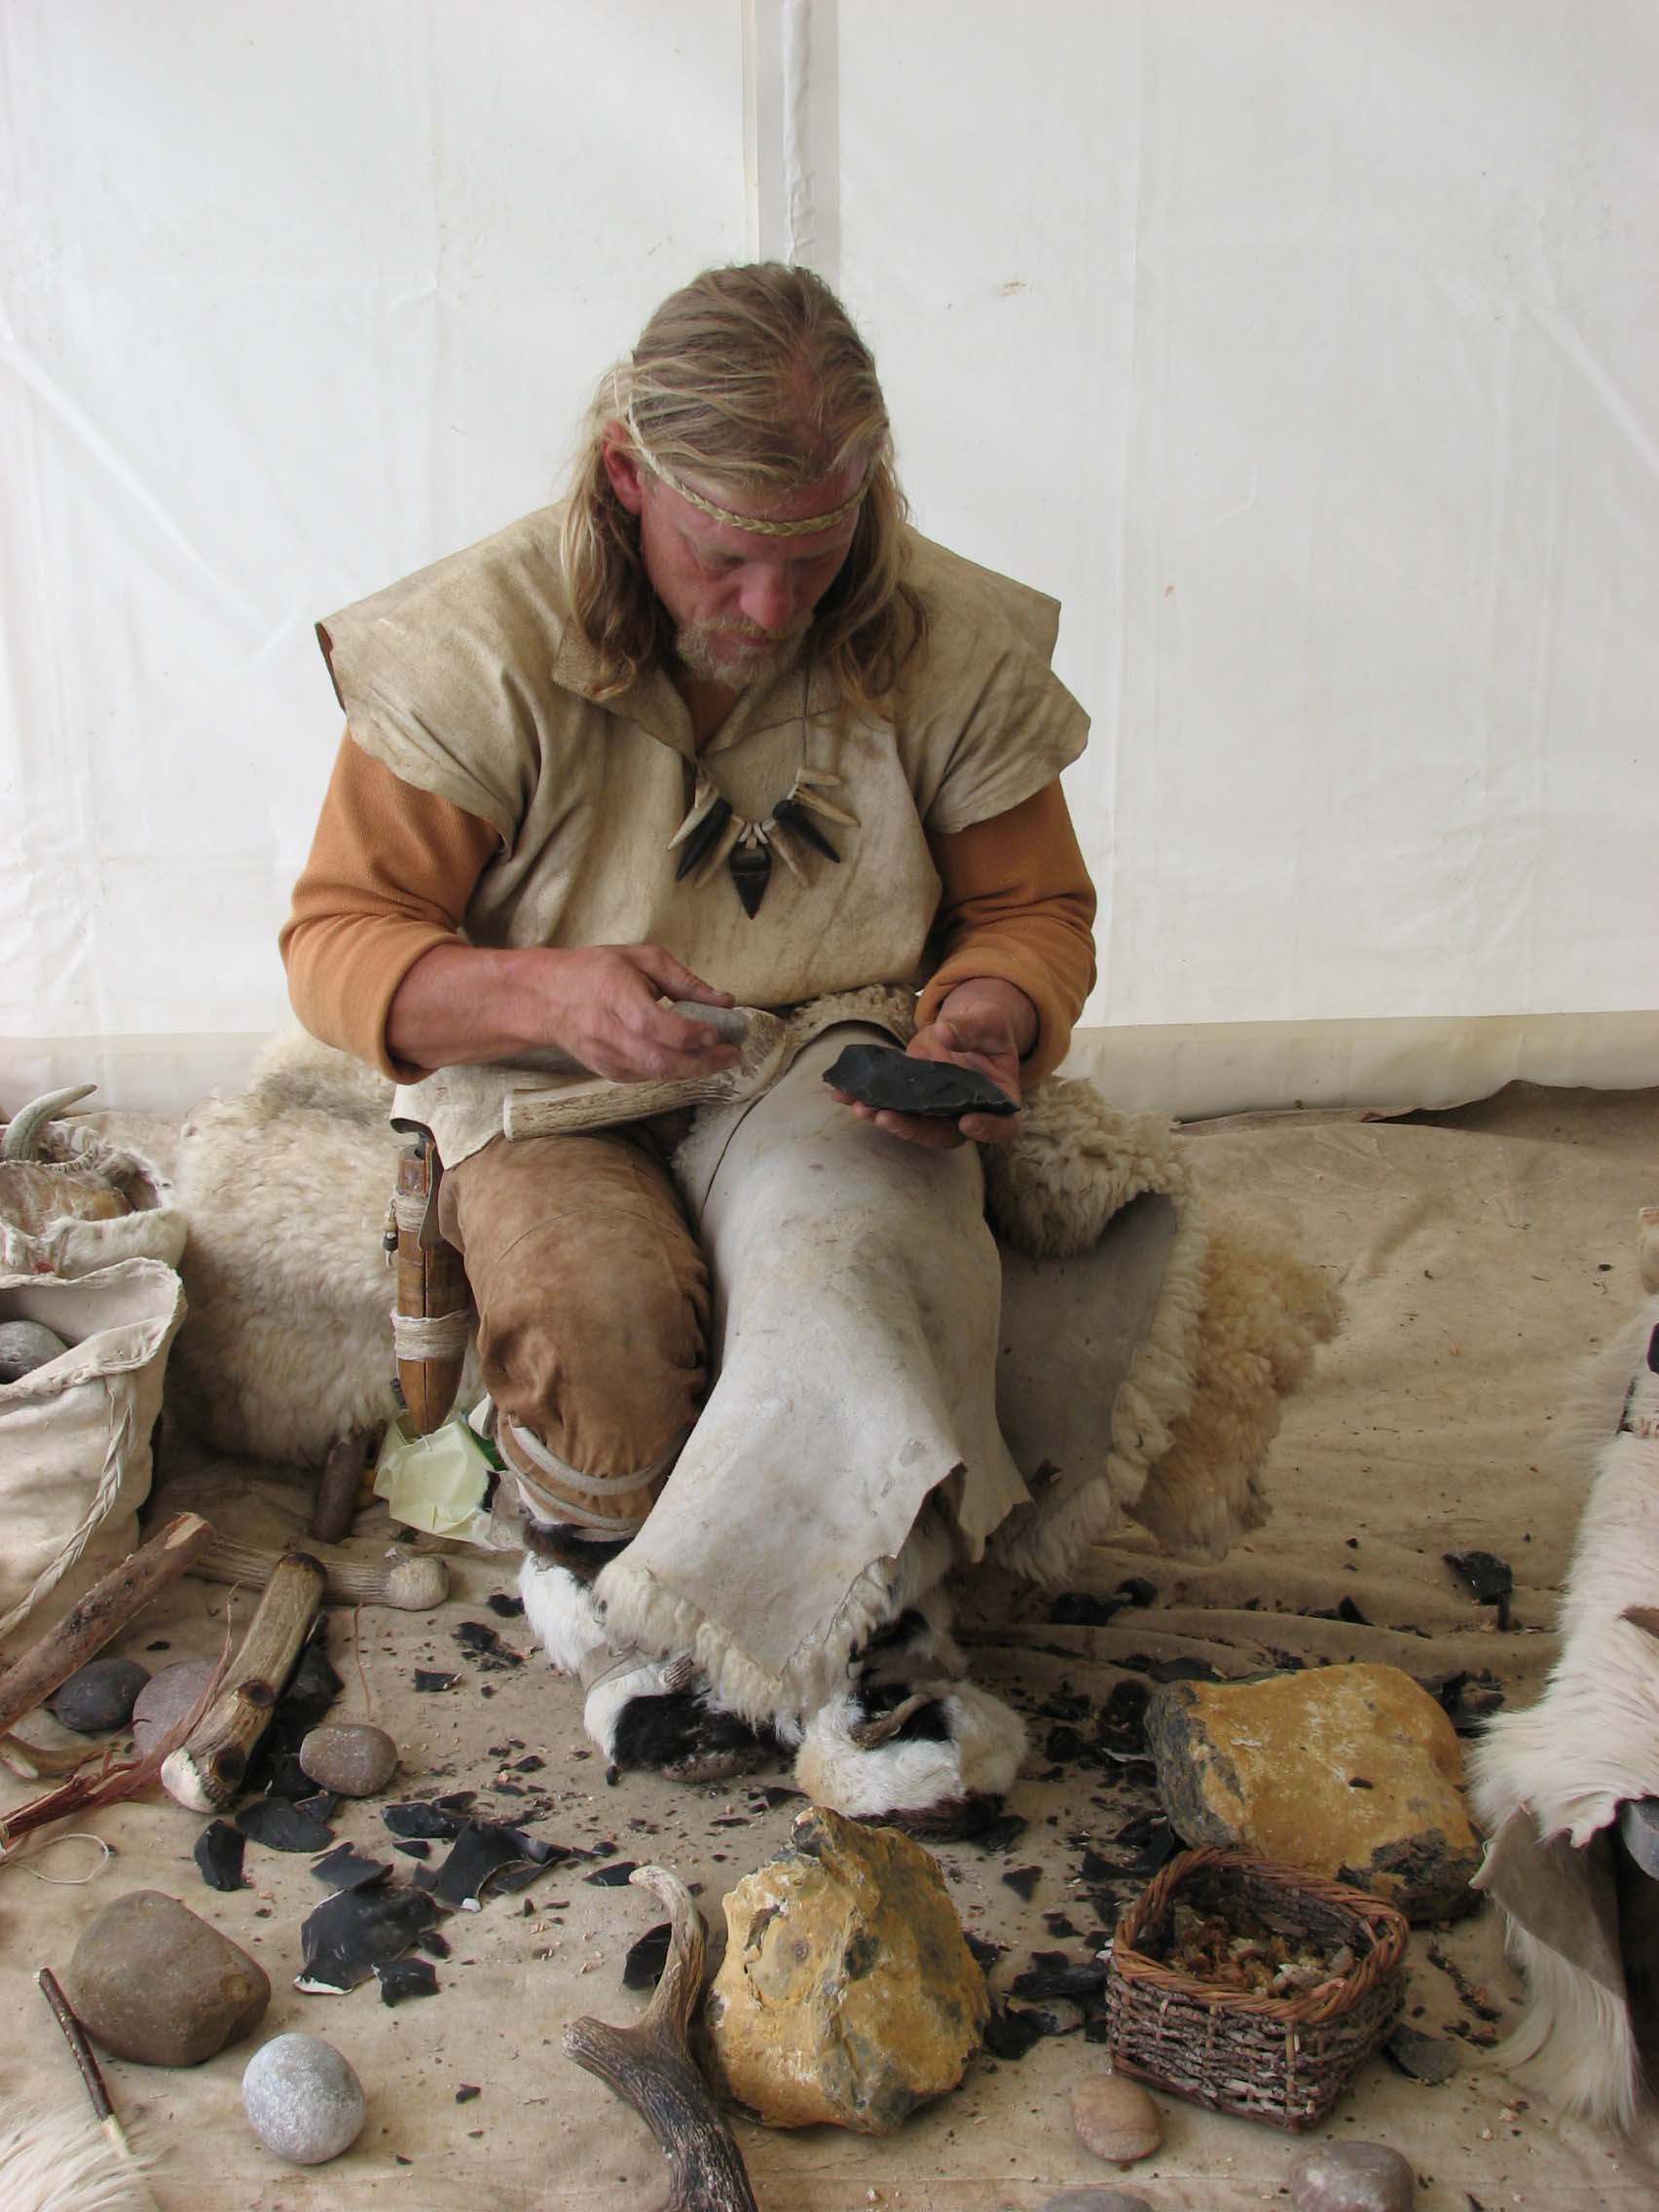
(392,869)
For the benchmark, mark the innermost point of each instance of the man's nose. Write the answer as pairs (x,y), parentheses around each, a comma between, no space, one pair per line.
(769,600)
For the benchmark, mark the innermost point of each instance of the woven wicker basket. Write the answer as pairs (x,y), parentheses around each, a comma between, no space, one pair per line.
(1281,2059)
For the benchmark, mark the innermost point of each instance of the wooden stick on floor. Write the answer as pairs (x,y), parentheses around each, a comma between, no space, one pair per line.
(108,2119)
(106,1608)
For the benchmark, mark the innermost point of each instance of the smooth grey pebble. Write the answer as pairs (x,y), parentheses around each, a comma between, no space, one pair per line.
(303,2100)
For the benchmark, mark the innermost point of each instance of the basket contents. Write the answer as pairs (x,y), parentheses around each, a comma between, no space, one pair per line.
(1233,1946)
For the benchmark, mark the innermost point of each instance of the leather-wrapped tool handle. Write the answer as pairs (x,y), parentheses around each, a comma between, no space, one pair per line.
(431,1292)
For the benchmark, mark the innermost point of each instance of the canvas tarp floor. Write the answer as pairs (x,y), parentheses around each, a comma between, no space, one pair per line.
(1483,1254)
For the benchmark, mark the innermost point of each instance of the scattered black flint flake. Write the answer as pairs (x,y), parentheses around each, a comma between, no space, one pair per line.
(403,1978)
(1012,2030)
(1125,1711)
(356,1931)
(322,1806)
(427,1679)
(773,1795)
(282,1827)
(344,1869)
(984,1950)
(1426,2059)
(414,1847)
(1084,1608)
(1485,1575)
(1023,1880)
(1347,1610)
(1182,1670)
(282,1774)
(1489,1579)
(1137,1590)
(533,1765)
(420,1817)
(1469,1700)
(218,1854)
(1064,1704)
(1052,1974)
(612,1876)
(891,1081)
(1063,1746)
(506,1608)
(646,1960)
(1057,1924)
(432,1941)
(999,1832)
(482,1642)
(467,2092)
(485,1851)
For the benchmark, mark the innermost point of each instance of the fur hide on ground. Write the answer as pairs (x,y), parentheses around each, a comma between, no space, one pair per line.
(1592,1741)
(61,2161)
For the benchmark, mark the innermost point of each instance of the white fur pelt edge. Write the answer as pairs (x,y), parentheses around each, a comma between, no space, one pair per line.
(1238,1319)
(287,1344)
(61,2162)
(1591,1741)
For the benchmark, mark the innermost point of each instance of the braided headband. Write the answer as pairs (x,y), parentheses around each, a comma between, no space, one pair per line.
(809,526)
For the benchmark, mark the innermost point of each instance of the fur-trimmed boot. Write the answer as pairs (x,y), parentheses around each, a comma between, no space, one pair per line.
(911,1741)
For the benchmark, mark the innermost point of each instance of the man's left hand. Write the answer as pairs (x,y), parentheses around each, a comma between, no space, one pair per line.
(985,1024)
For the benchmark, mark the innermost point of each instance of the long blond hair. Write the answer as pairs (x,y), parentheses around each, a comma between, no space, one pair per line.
(753,379)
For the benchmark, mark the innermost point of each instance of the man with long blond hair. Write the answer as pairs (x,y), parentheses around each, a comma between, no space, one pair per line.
(720,730)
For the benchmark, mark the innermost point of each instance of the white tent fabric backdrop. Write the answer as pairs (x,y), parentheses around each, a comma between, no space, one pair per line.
(1306,352)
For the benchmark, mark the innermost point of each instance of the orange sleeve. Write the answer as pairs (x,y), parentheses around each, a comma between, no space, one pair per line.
(391,874)
(1017,903)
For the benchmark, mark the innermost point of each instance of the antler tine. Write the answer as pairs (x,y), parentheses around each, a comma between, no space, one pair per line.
(649,2066)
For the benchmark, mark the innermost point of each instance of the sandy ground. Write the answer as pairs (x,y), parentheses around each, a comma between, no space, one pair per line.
(1483,1253)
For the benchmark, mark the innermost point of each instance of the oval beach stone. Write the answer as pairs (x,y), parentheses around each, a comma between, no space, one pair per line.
(303,2100)
(1352,2177)
(350,1758)
(99,1696)
(1115,2118)
(165,1700)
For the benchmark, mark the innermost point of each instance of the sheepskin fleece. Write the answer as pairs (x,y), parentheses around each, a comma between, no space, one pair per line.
(61,2162)
(1591,1741)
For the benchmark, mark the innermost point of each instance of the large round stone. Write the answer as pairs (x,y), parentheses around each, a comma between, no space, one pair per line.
(1115,2118)
(350,1757)
(303,2100)
(1352,2177)
(153,1982)
(99,1696)
(168,1697)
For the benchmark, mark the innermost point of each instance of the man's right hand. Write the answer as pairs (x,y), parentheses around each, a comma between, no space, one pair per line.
(600,1005)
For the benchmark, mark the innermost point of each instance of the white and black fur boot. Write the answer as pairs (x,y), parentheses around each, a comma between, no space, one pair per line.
(911,1741)
(638,1711)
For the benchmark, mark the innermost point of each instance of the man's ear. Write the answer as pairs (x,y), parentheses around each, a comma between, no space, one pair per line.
(622,468)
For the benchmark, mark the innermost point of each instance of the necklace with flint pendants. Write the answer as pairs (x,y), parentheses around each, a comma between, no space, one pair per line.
(713,832)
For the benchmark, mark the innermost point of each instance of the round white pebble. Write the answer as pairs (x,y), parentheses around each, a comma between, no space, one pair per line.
(303,2100)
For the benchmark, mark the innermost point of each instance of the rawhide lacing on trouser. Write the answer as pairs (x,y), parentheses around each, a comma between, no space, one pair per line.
(560,1495)
(432,1321)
